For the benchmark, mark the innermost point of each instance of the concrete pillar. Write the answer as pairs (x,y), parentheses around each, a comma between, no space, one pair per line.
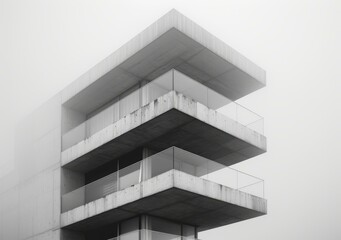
(146,164)
(145,225)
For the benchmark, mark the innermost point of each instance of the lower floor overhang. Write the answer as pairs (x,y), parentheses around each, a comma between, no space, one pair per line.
(173,195)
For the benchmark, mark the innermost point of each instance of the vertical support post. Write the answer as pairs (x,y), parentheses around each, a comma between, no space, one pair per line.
(173,88)
(118,176)
(173,157)
(146,164)
(237,180)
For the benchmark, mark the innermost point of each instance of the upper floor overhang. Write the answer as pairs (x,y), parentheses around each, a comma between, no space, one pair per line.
(173,41)
(170,120)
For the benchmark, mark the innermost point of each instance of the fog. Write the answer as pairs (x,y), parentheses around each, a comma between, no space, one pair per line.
(45,45)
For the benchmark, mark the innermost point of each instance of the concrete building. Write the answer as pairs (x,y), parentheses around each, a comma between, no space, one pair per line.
(139,147)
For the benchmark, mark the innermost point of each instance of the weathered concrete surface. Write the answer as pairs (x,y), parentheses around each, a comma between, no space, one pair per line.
(171,120)
(173,195)
(173,41)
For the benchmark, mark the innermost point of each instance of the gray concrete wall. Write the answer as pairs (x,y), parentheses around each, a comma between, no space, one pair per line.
(30,195)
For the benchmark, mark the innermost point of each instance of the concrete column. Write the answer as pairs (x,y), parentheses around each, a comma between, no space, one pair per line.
(146,163)
(145,234)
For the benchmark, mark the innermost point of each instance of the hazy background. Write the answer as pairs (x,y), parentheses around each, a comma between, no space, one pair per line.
(45,45)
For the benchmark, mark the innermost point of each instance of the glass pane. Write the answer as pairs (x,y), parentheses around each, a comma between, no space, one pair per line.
(190,88)
(100,121)
(190,163)
(129,176)
(245,116)
(161,162)
(73,199)
(229,110)
(256,188)
(157,88)
(74,136)
(129,103)
(164,236)
(223,175)
(257,126)
(101,187)
(215,100)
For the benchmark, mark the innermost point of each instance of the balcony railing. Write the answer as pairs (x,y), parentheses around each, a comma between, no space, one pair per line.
(150,235)
(171,158)
(170,81)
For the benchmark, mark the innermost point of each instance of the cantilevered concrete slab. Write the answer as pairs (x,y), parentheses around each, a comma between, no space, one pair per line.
(171,120)
(173,195)
(173,41)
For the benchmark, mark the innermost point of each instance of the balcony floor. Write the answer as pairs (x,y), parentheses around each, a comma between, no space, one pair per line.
(173,195)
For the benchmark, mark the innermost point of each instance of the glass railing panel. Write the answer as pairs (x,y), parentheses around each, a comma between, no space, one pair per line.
(204,168)
(163,236)
(74,136)
(129,103)
(171,158)
(90,192)
(215,101)
(250,119)
(223,175)
(102,119)
(250,184)
(73,199)
(256,189)
(159,163)
(134,235)
(131,175)
(101,187)
(190,163)
(157,88)
(190,88)
(257,125)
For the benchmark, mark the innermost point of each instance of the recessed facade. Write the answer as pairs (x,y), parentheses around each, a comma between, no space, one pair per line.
(140,146)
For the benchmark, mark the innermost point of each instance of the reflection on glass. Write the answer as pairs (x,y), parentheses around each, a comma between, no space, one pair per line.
(129,176)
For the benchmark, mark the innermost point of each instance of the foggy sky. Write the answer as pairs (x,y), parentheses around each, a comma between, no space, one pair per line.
(45,45)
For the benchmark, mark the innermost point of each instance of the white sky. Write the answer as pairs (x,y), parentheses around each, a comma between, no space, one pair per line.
(45,45)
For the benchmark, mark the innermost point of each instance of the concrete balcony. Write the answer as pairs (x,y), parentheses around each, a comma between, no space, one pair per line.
(172,110)
(173,184)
